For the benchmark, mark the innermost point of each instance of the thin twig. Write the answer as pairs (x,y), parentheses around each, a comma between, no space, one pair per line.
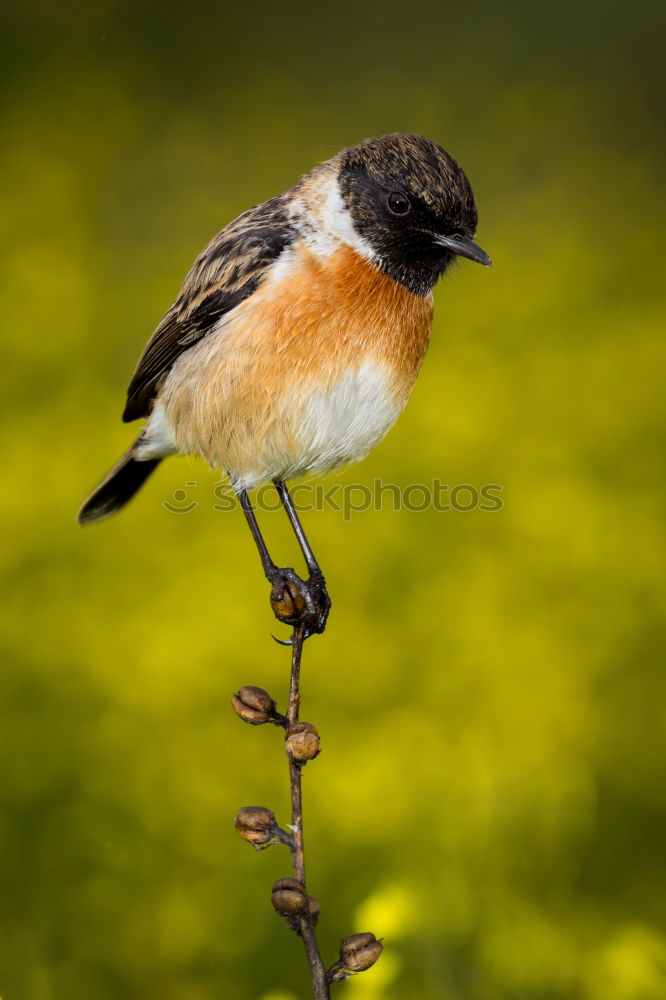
(317,968)
(258,825)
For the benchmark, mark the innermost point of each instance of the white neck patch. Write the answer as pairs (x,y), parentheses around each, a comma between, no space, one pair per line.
(325,221)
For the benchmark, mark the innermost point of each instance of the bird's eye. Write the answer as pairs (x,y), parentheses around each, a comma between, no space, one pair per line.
(398,204)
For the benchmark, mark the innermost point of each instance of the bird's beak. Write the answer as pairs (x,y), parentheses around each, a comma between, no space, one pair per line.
(464,247)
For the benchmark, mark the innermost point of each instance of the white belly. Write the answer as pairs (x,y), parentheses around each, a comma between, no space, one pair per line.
(312,431)
(343,424)
(324,429)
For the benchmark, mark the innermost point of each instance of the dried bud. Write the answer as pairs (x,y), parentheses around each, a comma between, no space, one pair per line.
(302,741)
(290,898)
(360,951)
(289,604)
(313,910)
(256,824)
(254,705)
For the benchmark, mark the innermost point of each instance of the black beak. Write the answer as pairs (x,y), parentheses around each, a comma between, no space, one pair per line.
(464,247)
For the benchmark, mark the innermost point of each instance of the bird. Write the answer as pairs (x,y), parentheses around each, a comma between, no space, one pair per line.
(297,336)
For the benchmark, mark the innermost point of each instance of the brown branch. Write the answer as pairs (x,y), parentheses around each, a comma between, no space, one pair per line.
(306,928)
(258,825)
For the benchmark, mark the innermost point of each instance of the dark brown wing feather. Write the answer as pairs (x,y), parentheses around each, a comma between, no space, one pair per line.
(223,275)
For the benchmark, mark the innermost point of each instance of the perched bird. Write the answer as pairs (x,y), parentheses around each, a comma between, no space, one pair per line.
(297,336)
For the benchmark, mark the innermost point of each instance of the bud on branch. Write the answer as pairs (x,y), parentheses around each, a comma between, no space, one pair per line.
(302,742)
(254,705)
(291,901)
(288,603)
(290,898)
(259,827)
(357,953)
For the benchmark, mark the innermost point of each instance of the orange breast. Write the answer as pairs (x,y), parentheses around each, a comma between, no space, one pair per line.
(329,313)
(237,395)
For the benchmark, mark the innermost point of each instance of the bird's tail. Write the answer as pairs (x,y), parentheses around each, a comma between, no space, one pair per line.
(119,486)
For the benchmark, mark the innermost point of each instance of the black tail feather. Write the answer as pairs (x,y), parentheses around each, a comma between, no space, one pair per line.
(119,486)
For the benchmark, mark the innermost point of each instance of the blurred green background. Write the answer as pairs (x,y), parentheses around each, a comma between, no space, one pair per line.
(490,690)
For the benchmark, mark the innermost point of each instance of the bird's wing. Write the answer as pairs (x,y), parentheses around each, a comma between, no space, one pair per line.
(223,275)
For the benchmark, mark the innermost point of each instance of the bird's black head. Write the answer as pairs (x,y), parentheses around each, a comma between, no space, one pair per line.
(410,201)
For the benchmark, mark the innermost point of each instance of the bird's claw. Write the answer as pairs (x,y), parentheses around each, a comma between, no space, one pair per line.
(299,602)
(282,642)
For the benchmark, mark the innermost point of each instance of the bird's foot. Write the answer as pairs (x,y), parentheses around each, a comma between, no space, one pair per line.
(298,602)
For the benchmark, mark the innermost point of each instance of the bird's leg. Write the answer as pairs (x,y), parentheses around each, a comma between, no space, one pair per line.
(294,601)
(315,582)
